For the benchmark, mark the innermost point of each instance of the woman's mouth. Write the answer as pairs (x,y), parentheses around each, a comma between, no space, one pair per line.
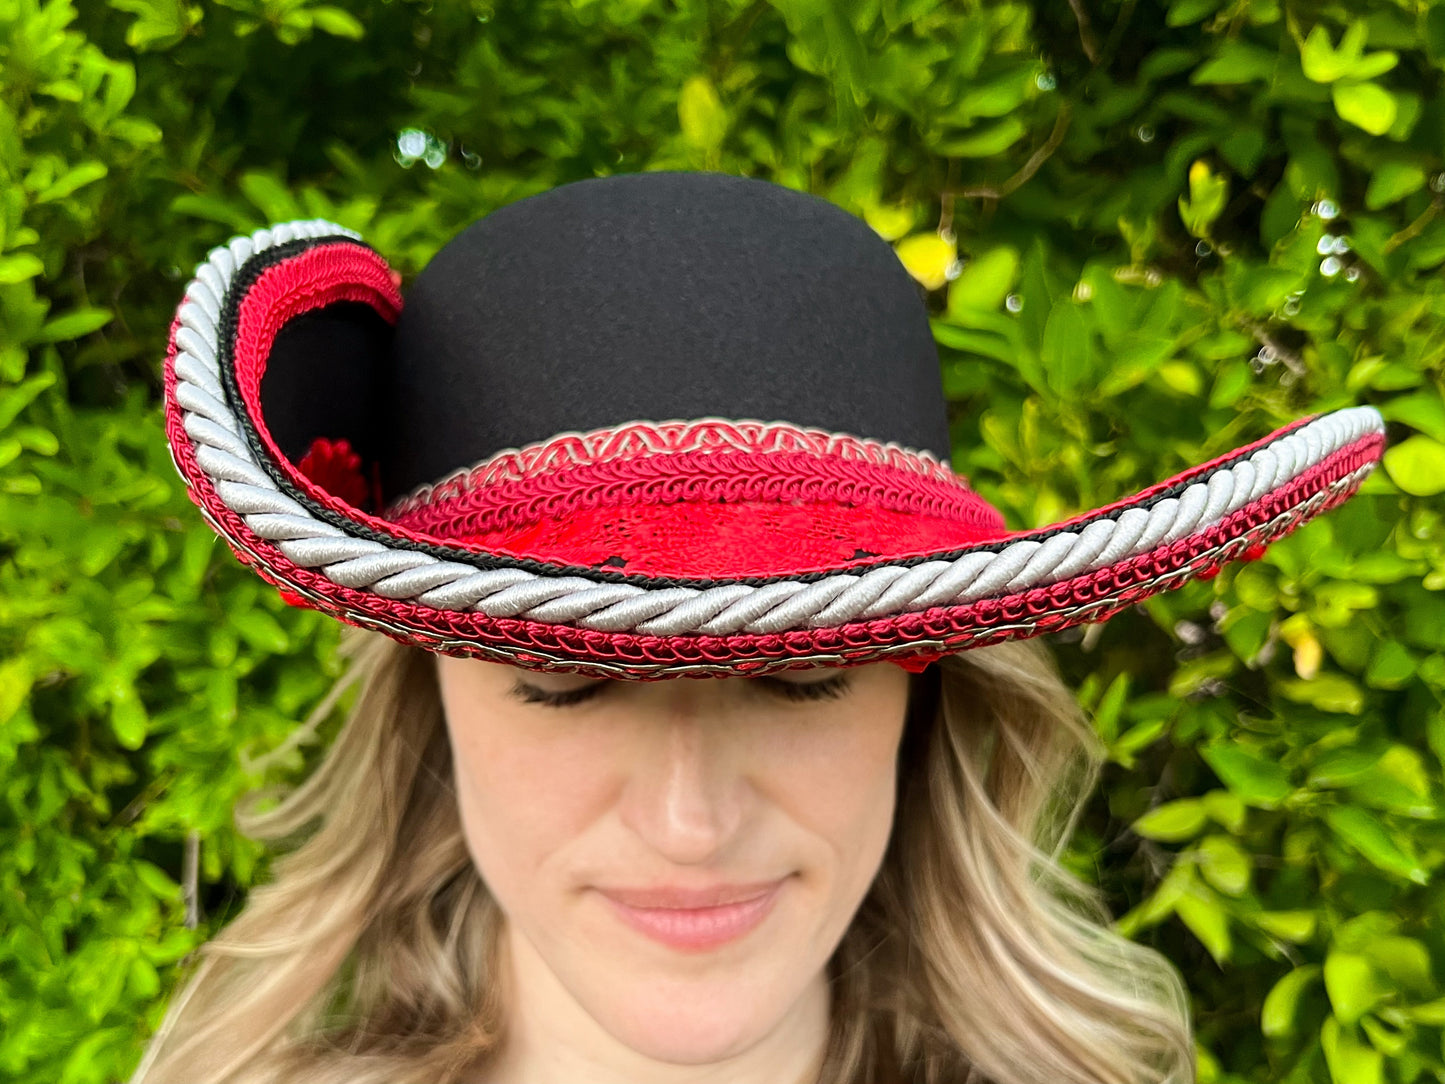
(695,920)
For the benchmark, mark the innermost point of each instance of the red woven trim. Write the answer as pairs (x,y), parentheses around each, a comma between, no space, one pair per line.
(311,279)
(1184,476)
(708,477)
(641,439)
(699,514)
(730,540)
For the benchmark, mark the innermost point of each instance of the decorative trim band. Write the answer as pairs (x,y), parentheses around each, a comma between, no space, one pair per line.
(737,478)
(639,439)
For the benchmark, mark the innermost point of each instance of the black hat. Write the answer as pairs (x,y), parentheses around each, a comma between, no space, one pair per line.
(655,424)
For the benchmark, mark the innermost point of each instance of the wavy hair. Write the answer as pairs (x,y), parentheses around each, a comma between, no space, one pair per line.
(369,957)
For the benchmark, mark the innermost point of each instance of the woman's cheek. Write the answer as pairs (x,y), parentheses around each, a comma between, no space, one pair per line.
(838,776)
(523,798)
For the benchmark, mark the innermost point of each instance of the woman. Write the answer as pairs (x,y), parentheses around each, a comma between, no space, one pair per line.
(534,853)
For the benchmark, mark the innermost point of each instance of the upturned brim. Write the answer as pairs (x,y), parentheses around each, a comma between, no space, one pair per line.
(912,565)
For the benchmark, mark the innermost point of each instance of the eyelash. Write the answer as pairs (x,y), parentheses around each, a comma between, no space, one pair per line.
(819,690)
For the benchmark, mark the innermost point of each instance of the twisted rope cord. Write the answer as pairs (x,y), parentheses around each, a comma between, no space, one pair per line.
(362,564)
(991,631)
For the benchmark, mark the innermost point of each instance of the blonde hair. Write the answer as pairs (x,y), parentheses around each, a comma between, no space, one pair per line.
(976,958)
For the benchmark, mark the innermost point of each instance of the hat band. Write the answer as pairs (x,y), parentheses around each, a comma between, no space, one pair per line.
(637,439)
(698,513)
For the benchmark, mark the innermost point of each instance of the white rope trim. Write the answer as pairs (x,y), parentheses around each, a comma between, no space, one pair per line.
(887,590)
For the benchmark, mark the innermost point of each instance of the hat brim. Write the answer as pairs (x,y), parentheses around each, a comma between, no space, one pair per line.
(958,581)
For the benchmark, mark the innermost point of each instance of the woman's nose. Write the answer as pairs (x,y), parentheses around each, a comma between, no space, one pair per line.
(685,793)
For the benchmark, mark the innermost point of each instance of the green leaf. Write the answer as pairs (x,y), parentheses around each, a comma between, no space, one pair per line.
(1365,105)
(1349,1059)
(74,325)
(1406,765)
(67,90)
(143,983)
(1341,766)
(128,718)
(984,141)
(1208,193)
(1296,926)
(1355,934)
(259,629)
(1137,737)
(1430,1013)
(14,400)
(1405,960)
(16,677)
(1375,64)
(893,221)
(1363,831)
(337,22)
(1177,883)
(702,116)
(1245,629)
(1391,666)
(160,23)
(1258,781)
(1224,864)
(1133,360)
(213,209)
(73,179)
(135,130)
(1235,62)
(272,198)
(1319,59)
(1280,215)
(1173,821)
(1225,808)
(1352,985)
(1066,351)
(985,280)
(1208,922)
(1328,692)
(1432,31)
(1393,181)
(1423,410)
(1184,12)
(1336,603)
(1111,704)
(1280,1010)
(19,266)
(155,879)
(35,439)
(997,98)
(1417,466)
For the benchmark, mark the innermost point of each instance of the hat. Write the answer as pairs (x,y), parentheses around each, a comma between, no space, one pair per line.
(655,424)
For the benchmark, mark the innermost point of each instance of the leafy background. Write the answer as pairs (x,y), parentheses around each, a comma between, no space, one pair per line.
(1151,230)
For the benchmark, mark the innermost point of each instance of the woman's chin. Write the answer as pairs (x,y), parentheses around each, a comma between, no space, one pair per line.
(701,1027)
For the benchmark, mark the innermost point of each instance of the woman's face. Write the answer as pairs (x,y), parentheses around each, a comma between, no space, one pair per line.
(678,859)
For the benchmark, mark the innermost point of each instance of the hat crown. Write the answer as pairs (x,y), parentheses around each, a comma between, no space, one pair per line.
(655,297)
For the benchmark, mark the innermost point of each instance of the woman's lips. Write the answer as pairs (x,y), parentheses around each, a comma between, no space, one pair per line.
(692,920)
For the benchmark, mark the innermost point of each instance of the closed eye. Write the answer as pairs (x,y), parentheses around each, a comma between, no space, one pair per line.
(828,689)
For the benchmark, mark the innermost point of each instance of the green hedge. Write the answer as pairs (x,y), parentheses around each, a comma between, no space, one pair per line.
(1152,231)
